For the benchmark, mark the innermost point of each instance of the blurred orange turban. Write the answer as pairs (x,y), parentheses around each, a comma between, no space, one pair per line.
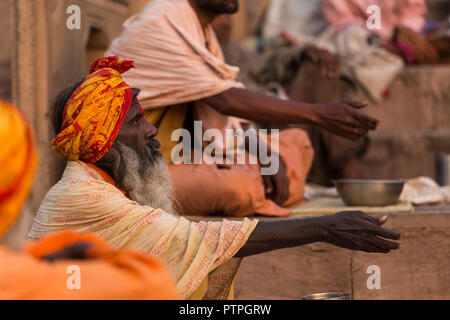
(95,112)
(59,241)
(18,160)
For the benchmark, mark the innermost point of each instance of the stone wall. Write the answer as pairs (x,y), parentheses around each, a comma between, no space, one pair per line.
(415,125)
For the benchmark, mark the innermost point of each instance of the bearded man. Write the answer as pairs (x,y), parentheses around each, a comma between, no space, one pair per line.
(116,185)
(40,271)
(183,78)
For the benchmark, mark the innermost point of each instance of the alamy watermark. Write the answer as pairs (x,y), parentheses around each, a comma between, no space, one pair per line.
(229,149)
(73,281)
(73,21)
(374,20)
(374,281)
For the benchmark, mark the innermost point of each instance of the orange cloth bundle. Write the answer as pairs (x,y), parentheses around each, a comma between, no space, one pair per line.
(95,112)
(106,273)
(18,160)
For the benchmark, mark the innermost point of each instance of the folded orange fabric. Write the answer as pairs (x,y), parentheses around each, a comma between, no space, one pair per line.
(95,112)
(18,160)
(116,274)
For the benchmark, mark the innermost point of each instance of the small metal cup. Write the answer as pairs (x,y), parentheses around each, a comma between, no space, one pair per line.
(443,169)
(327,296)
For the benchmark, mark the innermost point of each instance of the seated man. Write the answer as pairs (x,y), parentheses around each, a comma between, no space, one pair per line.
(41,271)
(116,185)
(183,78)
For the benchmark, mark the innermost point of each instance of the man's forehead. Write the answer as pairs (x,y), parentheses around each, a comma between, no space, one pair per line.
(135,109)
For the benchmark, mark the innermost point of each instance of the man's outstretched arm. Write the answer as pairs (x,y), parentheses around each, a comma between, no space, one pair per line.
(352,230)
(341,118)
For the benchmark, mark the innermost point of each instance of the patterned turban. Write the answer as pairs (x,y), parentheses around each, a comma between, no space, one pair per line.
(95,112)
(18,160)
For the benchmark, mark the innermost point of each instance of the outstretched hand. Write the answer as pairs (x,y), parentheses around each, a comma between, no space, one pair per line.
(356,230)
(344,119)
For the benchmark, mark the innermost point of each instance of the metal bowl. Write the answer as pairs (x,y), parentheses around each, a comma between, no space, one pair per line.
(327,296)
(369,193)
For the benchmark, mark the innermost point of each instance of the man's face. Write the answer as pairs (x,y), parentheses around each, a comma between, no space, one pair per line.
(137,132)
(135,163)
(219,6)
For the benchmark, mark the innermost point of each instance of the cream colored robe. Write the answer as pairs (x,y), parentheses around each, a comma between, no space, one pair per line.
(199,255)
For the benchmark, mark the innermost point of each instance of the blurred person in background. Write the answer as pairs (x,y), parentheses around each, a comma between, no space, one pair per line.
(183,78)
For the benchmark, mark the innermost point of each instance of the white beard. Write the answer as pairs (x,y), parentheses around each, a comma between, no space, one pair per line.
(147,181)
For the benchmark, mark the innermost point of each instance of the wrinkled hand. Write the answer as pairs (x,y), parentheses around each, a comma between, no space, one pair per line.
(343,119)
(328,63)
(77,251)
(356,230)
(277,186)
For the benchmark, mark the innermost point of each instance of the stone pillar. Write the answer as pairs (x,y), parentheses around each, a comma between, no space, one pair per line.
(46,58)
(30,91)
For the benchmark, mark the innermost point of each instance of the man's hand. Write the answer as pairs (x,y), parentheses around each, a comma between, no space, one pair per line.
(356,230)
(328,63)
(77,251)
(353,230)
(277,186)
(343,119)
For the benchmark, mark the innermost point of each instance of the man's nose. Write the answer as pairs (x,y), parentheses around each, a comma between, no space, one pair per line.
(150,131)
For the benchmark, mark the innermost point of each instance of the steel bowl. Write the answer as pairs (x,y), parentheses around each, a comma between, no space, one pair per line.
(327,296)
(369,193)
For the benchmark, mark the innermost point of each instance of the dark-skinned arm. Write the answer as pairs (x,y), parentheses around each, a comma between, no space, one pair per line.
(341,118)
(350,230)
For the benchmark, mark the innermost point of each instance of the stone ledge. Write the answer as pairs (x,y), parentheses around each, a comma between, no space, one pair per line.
(420,269)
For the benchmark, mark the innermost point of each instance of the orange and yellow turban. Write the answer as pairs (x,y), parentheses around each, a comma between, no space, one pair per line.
(18,161)
(95,112)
